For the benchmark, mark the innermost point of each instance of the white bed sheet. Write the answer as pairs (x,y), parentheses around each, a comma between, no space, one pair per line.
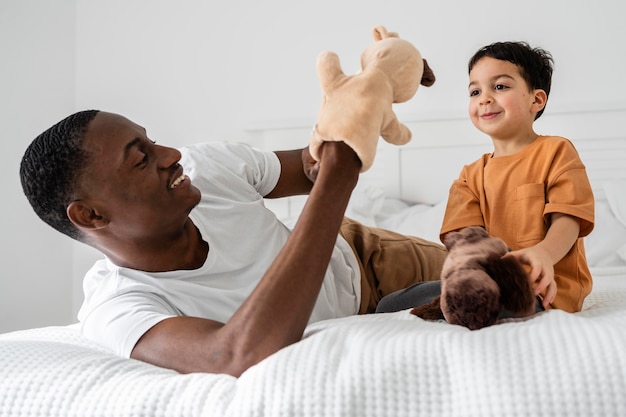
(554,364)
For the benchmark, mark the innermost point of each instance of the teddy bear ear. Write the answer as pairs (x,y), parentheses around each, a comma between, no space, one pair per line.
(516,293)
(380,33)
(428,76)
(430,311)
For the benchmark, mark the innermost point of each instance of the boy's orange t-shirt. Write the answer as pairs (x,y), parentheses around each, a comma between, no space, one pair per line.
(513,197)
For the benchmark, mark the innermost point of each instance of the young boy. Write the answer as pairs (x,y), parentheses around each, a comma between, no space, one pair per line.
(532,191)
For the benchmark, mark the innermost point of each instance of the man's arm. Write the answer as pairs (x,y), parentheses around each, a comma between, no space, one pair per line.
(293,180)
(277,312)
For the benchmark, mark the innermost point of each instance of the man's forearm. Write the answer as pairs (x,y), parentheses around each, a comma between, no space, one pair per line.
(277,312)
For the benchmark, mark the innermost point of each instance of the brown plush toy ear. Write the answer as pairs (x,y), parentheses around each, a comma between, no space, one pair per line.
(428,76)
(515,291)
(431,311)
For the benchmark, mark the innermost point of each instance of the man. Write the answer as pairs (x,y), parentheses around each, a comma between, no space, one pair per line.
(205,278)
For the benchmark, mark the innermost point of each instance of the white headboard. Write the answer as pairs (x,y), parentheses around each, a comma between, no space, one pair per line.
(422,170)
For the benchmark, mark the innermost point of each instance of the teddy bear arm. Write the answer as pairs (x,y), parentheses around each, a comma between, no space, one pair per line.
(329,70)
(395,132)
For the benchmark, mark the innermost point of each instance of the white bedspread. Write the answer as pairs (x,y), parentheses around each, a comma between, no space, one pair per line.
(554,364)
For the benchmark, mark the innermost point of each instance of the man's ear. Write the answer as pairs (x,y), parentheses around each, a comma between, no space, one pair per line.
(84,216)
(540,100)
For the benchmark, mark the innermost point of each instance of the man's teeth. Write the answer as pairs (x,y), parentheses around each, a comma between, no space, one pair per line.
(177,181)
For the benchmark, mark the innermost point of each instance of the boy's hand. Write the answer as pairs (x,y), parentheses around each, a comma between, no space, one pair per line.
(541,274)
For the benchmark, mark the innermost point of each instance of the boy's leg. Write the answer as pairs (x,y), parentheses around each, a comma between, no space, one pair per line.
(390,261)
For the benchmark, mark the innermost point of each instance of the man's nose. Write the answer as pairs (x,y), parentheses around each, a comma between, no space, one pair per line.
(167,156)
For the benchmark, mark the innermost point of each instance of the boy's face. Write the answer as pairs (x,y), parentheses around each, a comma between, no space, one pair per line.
(501,103)
(135,184)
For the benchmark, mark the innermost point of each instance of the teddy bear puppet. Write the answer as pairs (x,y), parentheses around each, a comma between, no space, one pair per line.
(357,109)
(478,282)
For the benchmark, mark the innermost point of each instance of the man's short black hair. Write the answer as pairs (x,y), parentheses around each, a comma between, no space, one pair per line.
(51,167)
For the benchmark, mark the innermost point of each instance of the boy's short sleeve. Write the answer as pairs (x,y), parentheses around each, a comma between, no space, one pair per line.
(571,194)
(568,190)
(463,206)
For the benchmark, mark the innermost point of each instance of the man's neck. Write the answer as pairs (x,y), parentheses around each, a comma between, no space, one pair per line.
(185,251)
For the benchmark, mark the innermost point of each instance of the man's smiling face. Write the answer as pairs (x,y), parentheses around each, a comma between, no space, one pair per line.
(137,186)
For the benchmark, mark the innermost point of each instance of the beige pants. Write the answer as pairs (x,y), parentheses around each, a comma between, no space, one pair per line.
(390,261)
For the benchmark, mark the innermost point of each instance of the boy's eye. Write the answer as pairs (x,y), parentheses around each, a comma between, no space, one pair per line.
(473,93)
(500,87)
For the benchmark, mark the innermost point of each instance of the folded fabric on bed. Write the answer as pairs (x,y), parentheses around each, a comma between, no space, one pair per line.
(555,364)
(616,196)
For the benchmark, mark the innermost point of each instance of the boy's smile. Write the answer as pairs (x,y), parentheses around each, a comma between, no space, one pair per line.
(489,115)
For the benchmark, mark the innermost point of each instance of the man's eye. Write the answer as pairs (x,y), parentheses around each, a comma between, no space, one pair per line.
(143,161)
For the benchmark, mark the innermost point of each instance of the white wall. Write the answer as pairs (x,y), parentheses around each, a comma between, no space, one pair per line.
(199,70)
(36,90)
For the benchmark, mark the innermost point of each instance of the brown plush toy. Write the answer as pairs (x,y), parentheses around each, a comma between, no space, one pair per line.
(356,109)
(477,282)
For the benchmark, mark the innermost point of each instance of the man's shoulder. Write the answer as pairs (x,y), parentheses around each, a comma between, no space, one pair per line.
(205,148)
(222,151)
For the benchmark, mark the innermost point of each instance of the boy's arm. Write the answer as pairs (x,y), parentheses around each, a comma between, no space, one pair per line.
(277,312)
(561,236)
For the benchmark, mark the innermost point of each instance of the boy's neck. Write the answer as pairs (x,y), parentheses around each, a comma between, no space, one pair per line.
(511,146)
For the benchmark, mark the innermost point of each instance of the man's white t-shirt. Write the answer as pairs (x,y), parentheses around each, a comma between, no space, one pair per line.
(244,237)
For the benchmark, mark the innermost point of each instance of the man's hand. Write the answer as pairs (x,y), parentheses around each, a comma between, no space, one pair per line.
(310,165)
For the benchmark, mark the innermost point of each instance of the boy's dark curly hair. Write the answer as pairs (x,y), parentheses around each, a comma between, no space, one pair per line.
(51,168)
(535,64)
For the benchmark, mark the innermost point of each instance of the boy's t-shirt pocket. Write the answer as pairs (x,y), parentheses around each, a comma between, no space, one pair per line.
(530,202)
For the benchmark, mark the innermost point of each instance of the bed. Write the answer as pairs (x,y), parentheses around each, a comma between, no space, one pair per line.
(395,364)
